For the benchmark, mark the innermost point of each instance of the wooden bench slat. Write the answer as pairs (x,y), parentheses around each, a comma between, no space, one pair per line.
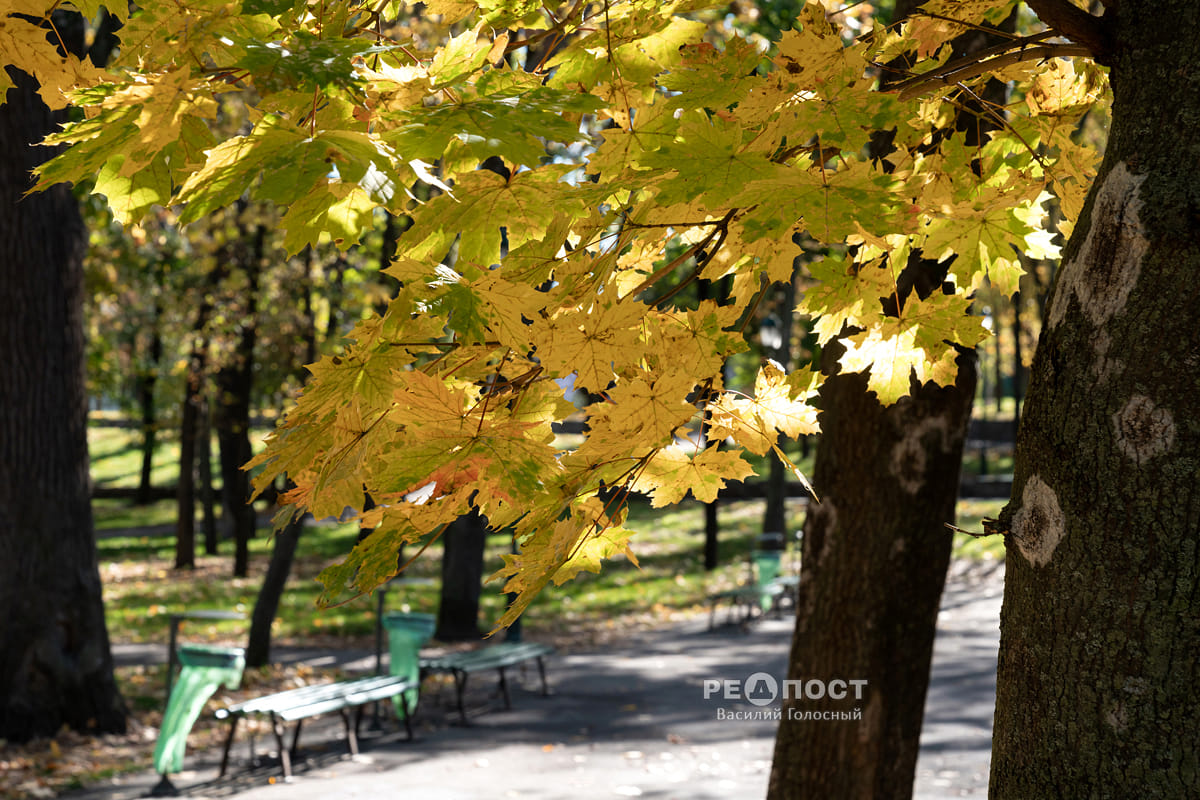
(292,700)
(296,705)
(498,657)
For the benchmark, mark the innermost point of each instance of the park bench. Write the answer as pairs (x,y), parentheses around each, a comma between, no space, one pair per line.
(500,657)
(765,590)
(296,705)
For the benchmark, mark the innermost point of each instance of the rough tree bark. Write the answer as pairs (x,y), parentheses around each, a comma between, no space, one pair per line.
(55,662)
(1100,628)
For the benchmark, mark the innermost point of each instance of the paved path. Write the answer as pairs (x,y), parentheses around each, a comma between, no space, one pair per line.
(632,722)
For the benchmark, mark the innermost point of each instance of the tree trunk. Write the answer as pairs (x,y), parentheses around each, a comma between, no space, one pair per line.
(235,382)
(712,531)
(208,513)
(147,383)
(55,662)
(875,556)
(1096,687)
(775,513)
(192,426)
(462,577)
(266,607)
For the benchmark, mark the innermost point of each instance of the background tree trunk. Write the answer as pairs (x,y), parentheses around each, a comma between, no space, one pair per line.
(462,577)
(1096,687)
(55,662)
(875,556)
(266,607)
(147,385)
(775,513)
(235,383)
(875,553)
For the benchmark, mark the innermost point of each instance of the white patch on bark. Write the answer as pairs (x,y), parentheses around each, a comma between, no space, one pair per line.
(1115,716)
(1116,711)
(1040,524)
(908,461)
(1104,366)
(1108,265)
(1143,430)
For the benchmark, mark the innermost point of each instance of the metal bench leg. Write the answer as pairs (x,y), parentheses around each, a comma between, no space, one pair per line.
(542,672)
(351,733)
(504,690)
(295,748)
(233,723)
(460,688)
(407,716)
(285,756)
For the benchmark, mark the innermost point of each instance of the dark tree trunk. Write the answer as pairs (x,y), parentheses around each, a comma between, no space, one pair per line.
(462,577)
(192,426)
(705,290)
(55,662)
(1096,687)
(712,530)
(875,556)
(185,490)
(775,513)
(235,382)
(147,383)
(266,607)
(208,512)
(1018,377)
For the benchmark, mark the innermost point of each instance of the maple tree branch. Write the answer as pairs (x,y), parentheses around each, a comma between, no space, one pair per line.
(919,85)
(701,263)
(718,226)
(1077,25)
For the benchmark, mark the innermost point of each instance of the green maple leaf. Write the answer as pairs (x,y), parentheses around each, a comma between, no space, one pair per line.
(709,161)
(526,204)
(830,201)
(845,294)
(984,234)
(714,79)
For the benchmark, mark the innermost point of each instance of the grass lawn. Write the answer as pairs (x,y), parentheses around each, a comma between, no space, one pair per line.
(141,588)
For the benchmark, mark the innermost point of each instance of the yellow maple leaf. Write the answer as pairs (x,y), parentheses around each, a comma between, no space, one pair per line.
(593,344)
(25,47)
(780,405)
(644,409)
(778,408)
(671,473)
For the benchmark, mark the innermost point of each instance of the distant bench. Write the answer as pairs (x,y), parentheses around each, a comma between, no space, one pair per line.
(296,705)
(762,593)
(498,657)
